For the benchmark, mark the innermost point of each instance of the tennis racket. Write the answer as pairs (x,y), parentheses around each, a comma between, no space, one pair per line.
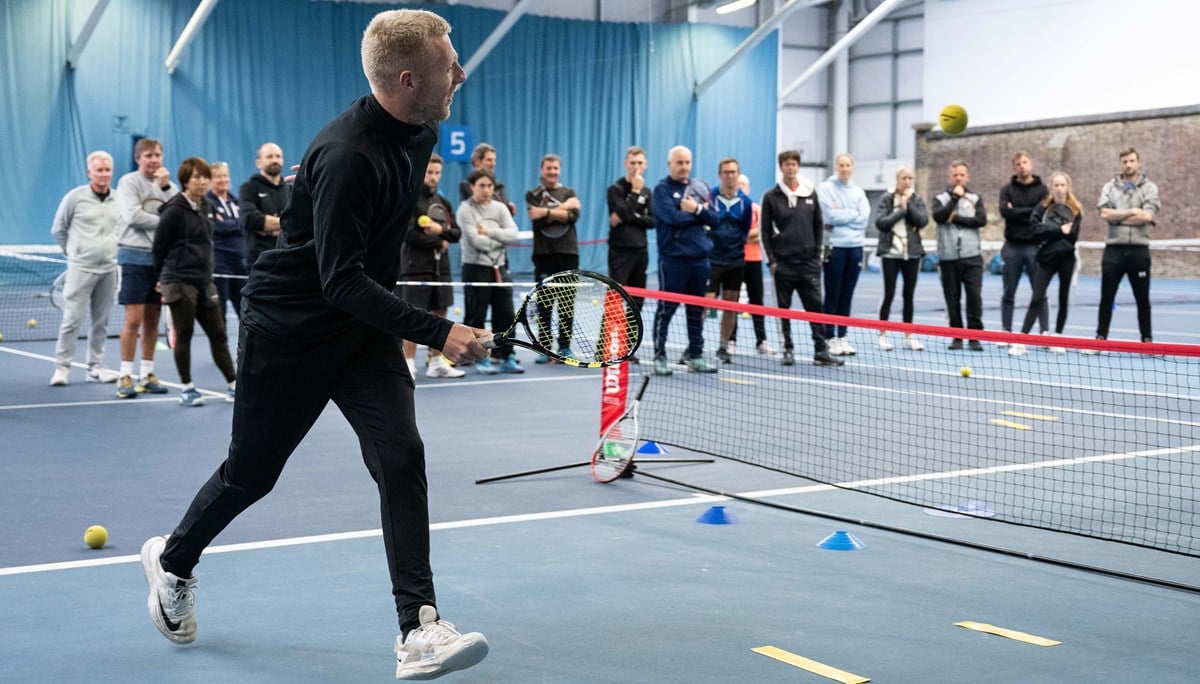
(614,452)
(437,212)
(151,205)
(606,327)
(698,190)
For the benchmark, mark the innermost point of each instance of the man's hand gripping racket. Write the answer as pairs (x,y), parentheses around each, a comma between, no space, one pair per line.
(606,327)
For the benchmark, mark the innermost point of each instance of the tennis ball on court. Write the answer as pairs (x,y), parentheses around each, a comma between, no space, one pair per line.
(95,536)
(1,337)
(953,119)
(745,314)
(595,302)
(31,323)
(965,371)
(457,310)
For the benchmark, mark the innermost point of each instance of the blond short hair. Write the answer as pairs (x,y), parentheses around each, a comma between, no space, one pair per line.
(99,154)
(395,41)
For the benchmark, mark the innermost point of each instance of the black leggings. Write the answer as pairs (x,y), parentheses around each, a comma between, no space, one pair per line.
(1041,282)
(909,268)
(184,315)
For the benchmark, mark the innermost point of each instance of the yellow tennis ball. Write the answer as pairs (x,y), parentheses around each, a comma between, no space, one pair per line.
(457,310)
(31,323)
(424,220)
(953,119)
(965,371)
(745,314)
(595,302)
(95,536)
(1,337)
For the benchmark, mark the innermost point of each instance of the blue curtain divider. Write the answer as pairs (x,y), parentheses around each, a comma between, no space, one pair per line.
(277,70)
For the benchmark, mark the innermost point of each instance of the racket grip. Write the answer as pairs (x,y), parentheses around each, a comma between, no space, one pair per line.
(492,342)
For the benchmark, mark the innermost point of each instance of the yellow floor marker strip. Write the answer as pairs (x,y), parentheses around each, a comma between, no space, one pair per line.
(810,665)
(1008,633)
(1031,416)
(736,381)
(1010,424)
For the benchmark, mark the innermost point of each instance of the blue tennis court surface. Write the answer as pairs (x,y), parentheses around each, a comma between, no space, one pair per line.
(572,581)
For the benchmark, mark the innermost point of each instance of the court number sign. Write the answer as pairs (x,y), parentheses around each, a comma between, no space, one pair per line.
(457,143)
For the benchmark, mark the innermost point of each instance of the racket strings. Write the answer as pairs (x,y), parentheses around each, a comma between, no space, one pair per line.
(582,315)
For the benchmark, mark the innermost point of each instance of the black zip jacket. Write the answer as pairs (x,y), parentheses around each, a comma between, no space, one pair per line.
(915,216)
(1024,198)
(636,213)
(339,254)
(183,246)
(257,199)
(791,235)
(421,254)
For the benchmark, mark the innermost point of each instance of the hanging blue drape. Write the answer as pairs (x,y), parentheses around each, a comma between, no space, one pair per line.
(277,70)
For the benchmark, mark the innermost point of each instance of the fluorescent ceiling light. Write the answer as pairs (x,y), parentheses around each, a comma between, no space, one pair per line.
(735,6)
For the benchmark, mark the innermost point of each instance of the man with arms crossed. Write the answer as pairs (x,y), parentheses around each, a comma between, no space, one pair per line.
(629,217)
(322,302)
(85,226)
(1129,203)
(1019,254)
(139,195)
(960,214)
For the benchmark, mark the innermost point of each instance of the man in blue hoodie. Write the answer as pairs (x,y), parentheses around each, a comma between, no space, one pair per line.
(682,225)
(735,214)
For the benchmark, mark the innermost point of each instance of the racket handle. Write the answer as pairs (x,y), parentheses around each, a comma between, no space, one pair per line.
(492,342)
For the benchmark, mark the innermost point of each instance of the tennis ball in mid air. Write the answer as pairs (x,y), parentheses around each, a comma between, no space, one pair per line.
(457,310)
(95,536)
(965,371)
(31,323)
(953,119)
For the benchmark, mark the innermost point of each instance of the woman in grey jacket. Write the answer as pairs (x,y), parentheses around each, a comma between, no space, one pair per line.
(902,214)
(487,227)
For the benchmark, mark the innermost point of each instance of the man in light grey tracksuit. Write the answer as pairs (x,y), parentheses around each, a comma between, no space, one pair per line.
(960,214)
(1129,203)
(85,227)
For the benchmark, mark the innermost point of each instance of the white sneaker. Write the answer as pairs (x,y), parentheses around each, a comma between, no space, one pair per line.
(60,377)
(103,375)
(1002,345)
(884,343)
(171,602)
(913,343)
(1051,348)
(847,348)
(436,648)
(1017,350)
(834,346)
(731,347)
(438,368)
(765,349)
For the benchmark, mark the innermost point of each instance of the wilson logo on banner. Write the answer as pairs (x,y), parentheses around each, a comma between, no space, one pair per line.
(615,386)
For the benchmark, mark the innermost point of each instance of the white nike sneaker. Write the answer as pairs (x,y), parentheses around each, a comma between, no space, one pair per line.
(437,648)
(171,602)
(884,343)
(61,376)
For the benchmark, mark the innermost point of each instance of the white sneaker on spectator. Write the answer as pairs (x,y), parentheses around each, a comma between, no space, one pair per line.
(438,368)
(765,349)
(731,347)
(97,374)
(913,343)
(1017,350)
(437,648)
(61,376)
(884,343)
(847,348)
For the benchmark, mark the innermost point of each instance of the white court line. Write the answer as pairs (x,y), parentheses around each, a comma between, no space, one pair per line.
(1038,382)
(956,397)
(602,510)
(361,534)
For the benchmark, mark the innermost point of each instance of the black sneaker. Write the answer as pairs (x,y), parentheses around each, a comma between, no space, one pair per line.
(955,345)
(824,359)
(975,345)
(723,355)
(789,360)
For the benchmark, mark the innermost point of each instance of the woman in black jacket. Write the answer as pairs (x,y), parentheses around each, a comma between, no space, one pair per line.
(183,252)
(902,214)
(1055,223)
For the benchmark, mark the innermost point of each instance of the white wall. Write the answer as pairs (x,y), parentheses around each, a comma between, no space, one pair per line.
(1018,60)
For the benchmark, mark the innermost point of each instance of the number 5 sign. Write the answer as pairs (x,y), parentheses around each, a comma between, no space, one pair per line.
(457,143)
